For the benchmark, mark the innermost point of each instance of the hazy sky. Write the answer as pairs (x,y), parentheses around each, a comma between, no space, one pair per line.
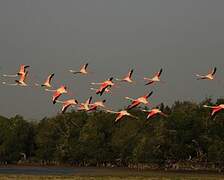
(183,37)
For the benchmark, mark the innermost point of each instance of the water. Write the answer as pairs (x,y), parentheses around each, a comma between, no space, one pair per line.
(38,170)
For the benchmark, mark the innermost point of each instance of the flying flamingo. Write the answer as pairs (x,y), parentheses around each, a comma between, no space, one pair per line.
(209,76)
(154,79)
(20,82)
(128,77)
(83,70)
(121,114)
(58,92)
(107,90)
(67,104)
(97,104)
(47,83)
(215,109)
(138,101)
(154,112)
(104,85)
(86,105)
(22,71)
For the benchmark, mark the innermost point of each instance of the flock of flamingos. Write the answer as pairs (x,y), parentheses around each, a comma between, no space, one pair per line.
(104,87)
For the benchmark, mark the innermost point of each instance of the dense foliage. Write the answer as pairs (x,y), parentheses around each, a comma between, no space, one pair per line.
(188,133)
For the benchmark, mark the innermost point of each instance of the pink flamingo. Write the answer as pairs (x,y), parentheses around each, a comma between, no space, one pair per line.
(154,79)
(128,77)
(138,101)
(154,112)
(209,76)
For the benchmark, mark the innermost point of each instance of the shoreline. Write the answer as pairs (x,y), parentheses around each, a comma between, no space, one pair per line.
(109,169)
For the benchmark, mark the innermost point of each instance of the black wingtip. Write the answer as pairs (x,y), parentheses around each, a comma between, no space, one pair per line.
(149,94)
(160,72)
(214,71)
(111,78)
(86,65)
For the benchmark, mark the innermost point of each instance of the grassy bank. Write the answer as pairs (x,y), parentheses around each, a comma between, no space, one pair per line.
(120,175)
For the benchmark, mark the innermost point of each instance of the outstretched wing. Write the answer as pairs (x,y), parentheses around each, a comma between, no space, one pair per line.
(56,96)
(151,114)
(150,82)
(64,108)
(214,71)
(133,105)
(119,116)
(85,66)
(216,110)
(149,94)
(159,73)
(48,80)
(130,73)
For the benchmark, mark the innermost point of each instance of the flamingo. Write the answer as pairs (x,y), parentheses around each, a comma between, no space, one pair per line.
(83,70)
(104,85)
(67,104)
(215,109)
(154,79)
(58,92)
(20,82)
(47,83)
(209,76)
(138,101)
(154,112)
(107,90)
(97,104)
(22,71)
(86,105)
(121,114)
(128,77)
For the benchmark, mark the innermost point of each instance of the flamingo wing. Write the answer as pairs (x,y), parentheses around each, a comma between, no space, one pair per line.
(102,89)
(48,81)
(85,66)
(216,110)
(22,69)
(130,73)
(151,114)
(150,82)
(65,107)
(56,95)
(133,105)
(159,73)
(25,67)
(149,94)
(93,107)
(50,78)
(119,116)
(89,100)
(214,71)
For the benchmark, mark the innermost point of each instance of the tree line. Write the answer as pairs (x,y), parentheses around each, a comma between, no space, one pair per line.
(93,139)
